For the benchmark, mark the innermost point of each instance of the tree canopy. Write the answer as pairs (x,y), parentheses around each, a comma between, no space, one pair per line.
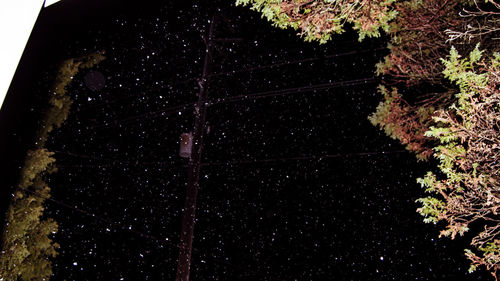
(319,20)
(436,102)
(27,247)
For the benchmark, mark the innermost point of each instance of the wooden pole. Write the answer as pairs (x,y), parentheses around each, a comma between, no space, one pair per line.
(188,221)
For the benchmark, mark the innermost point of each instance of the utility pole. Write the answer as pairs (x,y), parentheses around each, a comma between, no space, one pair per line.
(200,112)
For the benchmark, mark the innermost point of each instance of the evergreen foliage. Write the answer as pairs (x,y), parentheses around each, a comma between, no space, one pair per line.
(26,243)
(60,102)
(469,136)
(318,20)
(460,129)
(27,246)
(418,41)
(404,122)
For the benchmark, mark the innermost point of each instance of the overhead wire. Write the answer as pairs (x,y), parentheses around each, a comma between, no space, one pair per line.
(146,116)
(168,242)
(183,107)
(272,93)
(99,218)
(163,241)
(172,83)
(176,163)
(279,64)
(296,90)
(298,158)
(158,88)
(109,162)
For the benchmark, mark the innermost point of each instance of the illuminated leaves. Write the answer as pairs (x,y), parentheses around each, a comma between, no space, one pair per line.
(27,246)
(404,122)
(318,20)
(468,158)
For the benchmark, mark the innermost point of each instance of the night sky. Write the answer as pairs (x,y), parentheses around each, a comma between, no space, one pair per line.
(295,184)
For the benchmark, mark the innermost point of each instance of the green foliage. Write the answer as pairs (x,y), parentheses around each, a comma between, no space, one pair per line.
(36,162)
(428,182)
(465,136)
(490,248)
(318,20)
(382,20)
(271,10)
(418,39)
(60,102)
(463,73)
(432,209)
(384,109)
(26,244)
(469,139)
(403,122)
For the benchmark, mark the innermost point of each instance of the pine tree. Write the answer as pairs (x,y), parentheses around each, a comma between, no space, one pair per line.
(26,244)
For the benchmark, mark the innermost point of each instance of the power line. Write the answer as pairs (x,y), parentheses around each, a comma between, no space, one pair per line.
(114,161)
(147,116)
(117,163)
(100,218)
(303,89)
(272,93)
(233,162)
(158,88)
(279,64)
(164,241)
(172,83)
(298,158)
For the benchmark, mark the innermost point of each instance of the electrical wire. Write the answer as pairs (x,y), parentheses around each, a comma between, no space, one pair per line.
(172,83)
(303,89)
(109,223)
(146,116)
(273,93)
(279,64)
(168,242)
(181,164)
(298,158)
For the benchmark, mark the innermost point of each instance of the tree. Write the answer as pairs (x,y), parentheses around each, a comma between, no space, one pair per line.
(59,101)
(468,193)
(482,25)
(26,243)
(318,20)
(465,138)
(418,41)
(405,122)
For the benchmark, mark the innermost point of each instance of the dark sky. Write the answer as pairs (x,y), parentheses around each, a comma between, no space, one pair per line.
(296,183)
